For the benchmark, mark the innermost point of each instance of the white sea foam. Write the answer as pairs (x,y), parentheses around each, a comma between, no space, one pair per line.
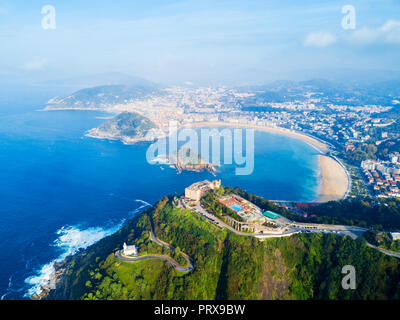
(70,240)
(8,291)
(160,160)
(144,202)
(135,212)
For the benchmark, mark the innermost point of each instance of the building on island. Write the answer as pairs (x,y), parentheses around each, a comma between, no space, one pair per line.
(129,250)
(196,190)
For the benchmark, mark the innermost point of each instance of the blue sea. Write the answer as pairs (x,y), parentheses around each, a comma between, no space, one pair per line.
(61,191)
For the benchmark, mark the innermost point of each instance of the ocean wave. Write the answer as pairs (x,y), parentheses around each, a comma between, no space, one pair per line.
(70,240)
(144,202)
(135,212)
(162,160)
(8,291)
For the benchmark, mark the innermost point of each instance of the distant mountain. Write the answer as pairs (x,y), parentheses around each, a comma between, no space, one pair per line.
(101,79)
(129,127)
(389,88)
(381,93)
(107,96)
(101,97)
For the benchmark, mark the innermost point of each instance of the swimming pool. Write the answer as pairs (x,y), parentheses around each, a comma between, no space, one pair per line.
(271,215)
(236,207)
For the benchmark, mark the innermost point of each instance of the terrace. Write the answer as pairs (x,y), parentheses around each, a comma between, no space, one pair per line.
(245,209)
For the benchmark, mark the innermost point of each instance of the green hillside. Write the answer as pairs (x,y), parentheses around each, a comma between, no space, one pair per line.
(128,127)
(226,266)
(104,96)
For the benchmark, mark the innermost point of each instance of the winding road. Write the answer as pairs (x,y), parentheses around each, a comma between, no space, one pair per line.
(297,227)
(175,264)
(385,251)
(153,238)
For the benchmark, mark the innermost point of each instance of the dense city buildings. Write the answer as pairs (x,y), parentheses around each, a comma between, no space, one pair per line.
(383,176)
(355,123)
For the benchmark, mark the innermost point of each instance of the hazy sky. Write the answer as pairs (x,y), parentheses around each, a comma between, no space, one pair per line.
(218,41)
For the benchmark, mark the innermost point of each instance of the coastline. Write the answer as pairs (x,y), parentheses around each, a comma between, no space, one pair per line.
(125,140)
(95,133)
(334,181)
(317,144)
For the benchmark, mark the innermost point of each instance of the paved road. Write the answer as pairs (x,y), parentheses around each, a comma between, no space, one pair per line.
(350,231)
(296,227)
(153,238)
(293,229)
(154,256)
(387,252)
(222,224)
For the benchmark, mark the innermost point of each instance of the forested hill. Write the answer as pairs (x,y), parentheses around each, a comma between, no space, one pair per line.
(226,266)
(102,97)
(129,127)
(129,124)
(381,214)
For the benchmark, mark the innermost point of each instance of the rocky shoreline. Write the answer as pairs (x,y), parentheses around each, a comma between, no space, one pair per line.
(196,167)
(56,277)
(96,133)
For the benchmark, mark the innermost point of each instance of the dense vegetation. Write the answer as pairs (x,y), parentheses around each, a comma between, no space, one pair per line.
(101,97)
(227,266)
(211,203)
(382,240)
(387,148)
(129,124)
(360,153)
(382,214)
(370,151)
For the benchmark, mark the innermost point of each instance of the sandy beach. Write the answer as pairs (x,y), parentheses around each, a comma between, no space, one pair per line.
(333,177)
(333,180)
(320,146)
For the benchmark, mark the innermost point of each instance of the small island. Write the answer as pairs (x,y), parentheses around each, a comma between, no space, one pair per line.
(128,127)
(190,160)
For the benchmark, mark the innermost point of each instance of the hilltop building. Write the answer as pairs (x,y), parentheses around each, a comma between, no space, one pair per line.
(129,250)
(196,190)
(395,235)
